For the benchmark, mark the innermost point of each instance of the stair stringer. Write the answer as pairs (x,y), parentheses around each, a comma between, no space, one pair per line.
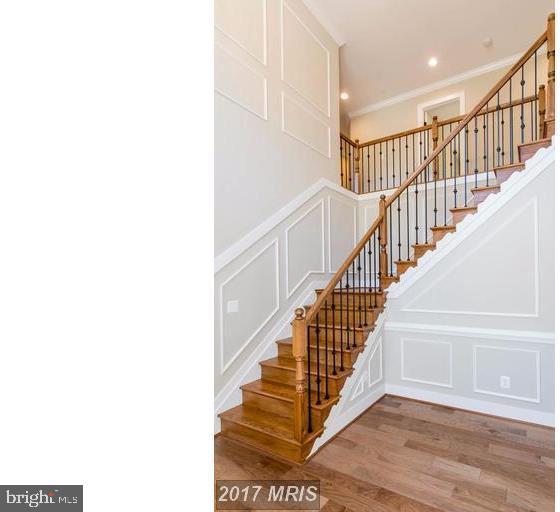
(361,390)
(509,189)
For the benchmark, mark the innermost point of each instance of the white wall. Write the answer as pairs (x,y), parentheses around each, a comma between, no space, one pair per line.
(484,309)
(276,111)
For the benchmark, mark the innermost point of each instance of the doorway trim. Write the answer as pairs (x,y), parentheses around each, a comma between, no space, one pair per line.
(436,102)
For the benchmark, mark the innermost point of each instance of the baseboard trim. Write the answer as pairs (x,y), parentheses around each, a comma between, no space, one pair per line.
(497,410)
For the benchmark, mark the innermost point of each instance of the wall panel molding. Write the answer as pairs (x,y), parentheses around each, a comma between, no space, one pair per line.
(263,58)
(223,364)
(522,211)
(426,381)
(289,292)
(326,110)
(221,84)
(310,119)
(537,356)
(329,228)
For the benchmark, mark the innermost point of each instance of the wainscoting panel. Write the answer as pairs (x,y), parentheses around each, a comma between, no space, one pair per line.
(240,83)
(341,214)
(244,22)
(305,247)
(520,366)
(427,362)
(254,307)
(304,126)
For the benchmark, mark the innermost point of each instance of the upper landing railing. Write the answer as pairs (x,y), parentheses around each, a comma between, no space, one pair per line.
(514,116)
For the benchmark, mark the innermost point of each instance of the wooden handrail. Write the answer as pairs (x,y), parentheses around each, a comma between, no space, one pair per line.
(348,139)
(468,118)
(450,120)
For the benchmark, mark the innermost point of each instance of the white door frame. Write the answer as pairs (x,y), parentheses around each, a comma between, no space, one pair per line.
(460,95)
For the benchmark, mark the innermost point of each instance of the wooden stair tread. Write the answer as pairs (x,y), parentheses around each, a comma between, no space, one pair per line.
(343,307)
(269,423)
(351,290)
(285,392)
(444,228)
(464,209)
(546,141)
(432,246)
(509,166)
(290,364)
(313,345)
(344,327)
(489,187)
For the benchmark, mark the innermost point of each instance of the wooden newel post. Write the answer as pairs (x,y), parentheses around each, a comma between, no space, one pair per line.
(434,146)
(542,111)
(383,236)
(549,118)
(357,165)
(299,350)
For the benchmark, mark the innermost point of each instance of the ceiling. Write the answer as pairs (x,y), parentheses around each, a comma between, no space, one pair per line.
(386,44)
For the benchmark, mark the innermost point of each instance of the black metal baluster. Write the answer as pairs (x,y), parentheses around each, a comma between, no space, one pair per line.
(493,142)
(369,268)
(341,163)
(390,263)
(375,260)
(380,166)
(400,161)
(387,163)
(326,350)
(368,178)
(318,355)
(475,151)
(425,190)
(415,190)
(374,170)
(466,169)
(486,145)
(522,104)
(347,311)
(353,302)
(510,126)
(359,290)
(407,204)
(393,158)
(444,164)
(498,148)
(455,171)
(309,420)
(363,300)
(535,109)
(341,307)
(333,309)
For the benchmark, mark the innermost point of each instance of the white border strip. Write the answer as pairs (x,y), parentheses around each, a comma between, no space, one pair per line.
(545,338)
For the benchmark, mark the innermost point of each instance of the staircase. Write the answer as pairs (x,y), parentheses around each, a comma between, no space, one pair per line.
(284,411)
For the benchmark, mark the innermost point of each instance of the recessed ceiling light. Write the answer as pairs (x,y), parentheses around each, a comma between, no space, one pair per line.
(487,42)
(432,62)
(344,96)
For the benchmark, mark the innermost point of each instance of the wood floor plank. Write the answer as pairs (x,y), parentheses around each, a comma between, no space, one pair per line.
(407,456)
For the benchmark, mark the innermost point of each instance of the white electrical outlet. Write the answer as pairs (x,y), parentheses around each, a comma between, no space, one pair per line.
(233,306)
(505,382)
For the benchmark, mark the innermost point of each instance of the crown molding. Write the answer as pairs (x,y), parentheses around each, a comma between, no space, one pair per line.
(481,70)
(324,21)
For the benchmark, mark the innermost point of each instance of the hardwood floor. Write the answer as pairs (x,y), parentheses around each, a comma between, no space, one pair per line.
(403,455)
